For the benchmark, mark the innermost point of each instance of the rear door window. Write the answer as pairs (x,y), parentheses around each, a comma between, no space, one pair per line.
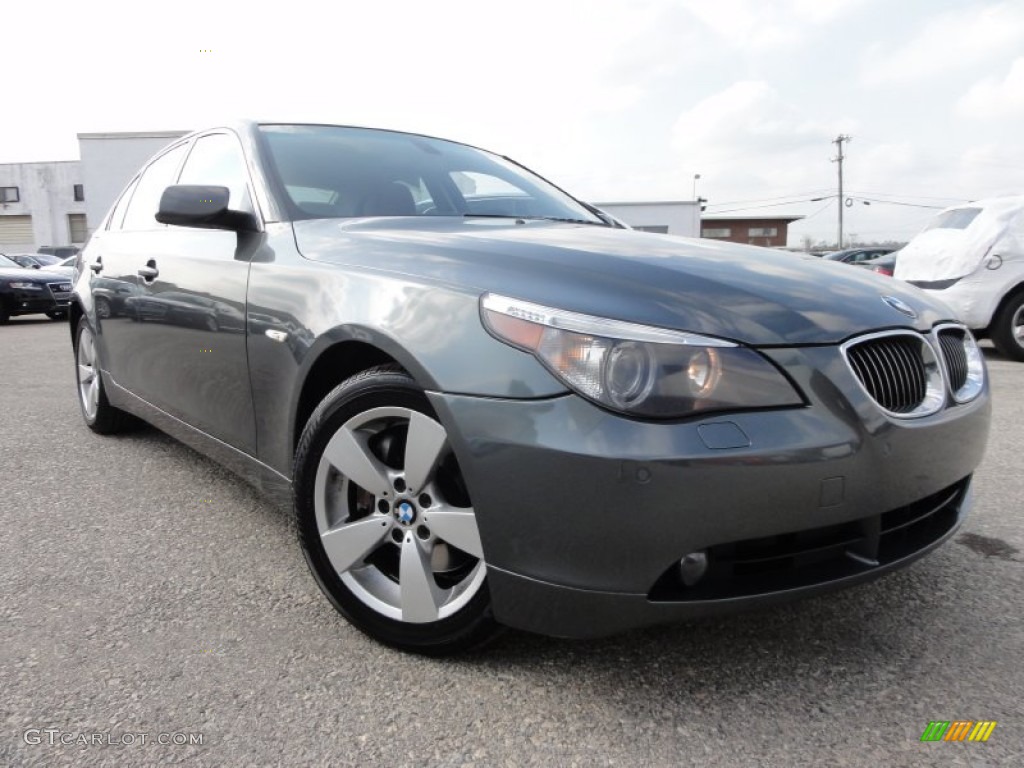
(157,177)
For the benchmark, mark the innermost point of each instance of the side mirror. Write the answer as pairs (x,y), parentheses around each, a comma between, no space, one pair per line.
(204,207)
(36,266)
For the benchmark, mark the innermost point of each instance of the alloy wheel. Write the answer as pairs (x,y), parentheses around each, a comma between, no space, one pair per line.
(394,517)
(88,374)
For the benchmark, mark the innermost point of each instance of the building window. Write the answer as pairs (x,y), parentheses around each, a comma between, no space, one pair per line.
(764,231)
(661,229)
(719,232)
(9,195)
(79,193)
(77,228)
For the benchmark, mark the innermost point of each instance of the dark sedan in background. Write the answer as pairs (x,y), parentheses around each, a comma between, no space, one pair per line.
(490,406)
(857,255)
(28,291)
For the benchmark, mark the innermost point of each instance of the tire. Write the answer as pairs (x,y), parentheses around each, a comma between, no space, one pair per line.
(5,313)
(402,563)
(57,315)
(100,416)
(1008,329)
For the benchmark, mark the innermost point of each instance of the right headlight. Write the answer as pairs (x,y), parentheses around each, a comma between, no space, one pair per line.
(637,369)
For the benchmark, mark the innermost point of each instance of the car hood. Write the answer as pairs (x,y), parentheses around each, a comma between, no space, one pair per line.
(755,296)
(27,275)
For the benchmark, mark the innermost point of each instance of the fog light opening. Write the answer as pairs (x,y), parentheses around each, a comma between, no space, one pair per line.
(693,567)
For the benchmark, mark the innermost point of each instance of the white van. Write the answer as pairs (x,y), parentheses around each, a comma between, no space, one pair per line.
(972,257)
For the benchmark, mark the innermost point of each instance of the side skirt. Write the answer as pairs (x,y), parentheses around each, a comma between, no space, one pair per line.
(268,481)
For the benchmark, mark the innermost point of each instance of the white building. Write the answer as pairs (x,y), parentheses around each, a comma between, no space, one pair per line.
(109,160)
(61,203)
(41,204)
(669,217)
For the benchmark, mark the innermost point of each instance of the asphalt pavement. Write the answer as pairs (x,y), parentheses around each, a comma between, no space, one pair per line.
(148,595)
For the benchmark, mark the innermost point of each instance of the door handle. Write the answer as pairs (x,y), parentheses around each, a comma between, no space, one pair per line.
(149,272)
(97,266)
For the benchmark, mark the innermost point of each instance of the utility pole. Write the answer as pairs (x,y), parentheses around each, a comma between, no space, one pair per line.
(838,141)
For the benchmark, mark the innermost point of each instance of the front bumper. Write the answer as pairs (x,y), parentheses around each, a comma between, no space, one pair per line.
(22,302)
(584,514)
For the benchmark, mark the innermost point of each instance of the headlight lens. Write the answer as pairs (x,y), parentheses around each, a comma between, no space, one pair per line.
(26,286)
(638,369)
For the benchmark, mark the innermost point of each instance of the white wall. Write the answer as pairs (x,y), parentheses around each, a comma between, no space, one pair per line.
(682,217)
(47,195)
(110,160)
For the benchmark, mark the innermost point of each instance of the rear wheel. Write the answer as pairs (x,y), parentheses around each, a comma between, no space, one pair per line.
(100,416)
(385,520)
(59,315)
(1008,329)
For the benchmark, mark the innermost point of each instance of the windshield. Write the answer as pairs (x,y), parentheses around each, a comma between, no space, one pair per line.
(46,258)
(958,218)
(5,262)
(333,172)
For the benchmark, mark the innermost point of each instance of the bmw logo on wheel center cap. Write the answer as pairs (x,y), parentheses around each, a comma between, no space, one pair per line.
(406,512)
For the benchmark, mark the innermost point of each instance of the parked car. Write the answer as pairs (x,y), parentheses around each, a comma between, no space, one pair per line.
(883,265)
(31,291)
(857,255)
(59,251)
(41,261)
(488,406)
(972,258)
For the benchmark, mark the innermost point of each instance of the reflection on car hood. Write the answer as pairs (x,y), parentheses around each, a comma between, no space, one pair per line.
(752,295)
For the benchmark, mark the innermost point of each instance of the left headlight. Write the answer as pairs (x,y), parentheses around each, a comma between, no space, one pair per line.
(637,369)
(21,285)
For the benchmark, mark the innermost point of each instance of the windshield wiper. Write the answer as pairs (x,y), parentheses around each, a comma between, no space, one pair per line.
(570,221)
(533,218)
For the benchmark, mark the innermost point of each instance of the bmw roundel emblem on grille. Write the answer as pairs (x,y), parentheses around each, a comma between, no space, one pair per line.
(406,513)
(900,306)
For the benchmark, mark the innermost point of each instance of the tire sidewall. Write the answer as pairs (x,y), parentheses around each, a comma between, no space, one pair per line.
(472,623)
(83,326)
(1002,334)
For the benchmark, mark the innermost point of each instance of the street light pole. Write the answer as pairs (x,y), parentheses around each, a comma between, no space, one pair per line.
(696,176)
(838,141)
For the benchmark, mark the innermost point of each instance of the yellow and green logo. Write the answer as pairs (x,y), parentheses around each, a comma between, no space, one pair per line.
(958,730)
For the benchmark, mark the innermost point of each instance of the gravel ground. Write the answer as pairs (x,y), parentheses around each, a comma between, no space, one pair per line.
(147,591)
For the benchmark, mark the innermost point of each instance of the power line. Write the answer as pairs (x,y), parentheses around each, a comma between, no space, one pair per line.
(894,202)
(911,197)
(771,199)
(769,205)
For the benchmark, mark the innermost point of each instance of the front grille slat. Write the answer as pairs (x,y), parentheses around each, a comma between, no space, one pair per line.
(891,369)
(951,341)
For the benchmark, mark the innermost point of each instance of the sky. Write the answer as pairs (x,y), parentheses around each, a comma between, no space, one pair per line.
(614,101)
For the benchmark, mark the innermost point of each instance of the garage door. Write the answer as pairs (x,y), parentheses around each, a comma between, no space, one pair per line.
(77,229)
(16,229)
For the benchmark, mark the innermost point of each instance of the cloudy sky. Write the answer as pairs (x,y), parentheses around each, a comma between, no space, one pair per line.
(612,100)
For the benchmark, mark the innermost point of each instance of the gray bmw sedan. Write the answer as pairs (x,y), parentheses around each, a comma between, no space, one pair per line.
(490,404)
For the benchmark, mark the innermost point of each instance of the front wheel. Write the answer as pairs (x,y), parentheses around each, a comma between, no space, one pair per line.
(385,520)
(1008,329)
